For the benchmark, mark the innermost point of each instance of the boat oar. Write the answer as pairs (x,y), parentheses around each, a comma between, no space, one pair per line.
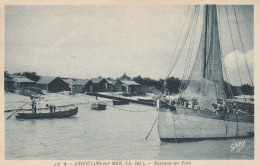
(151,129)
(16,111)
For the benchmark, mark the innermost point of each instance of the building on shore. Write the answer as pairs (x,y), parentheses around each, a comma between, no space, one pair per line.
(70,82)
(9,84)
(21,82)
(100,84)
(128,87)
(111,86)
(88,87)
(52,84)
(80,86)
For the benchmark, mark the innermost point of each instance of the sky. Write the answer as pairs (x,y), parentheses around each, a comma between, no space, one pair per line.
(110,40)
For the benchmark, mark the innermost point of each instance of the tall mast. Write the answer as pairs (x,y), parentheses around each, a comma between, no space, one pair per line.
(205,43)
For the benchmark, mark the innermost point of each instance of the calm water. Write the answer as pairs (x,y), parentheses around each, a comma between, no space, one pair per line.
(110,134)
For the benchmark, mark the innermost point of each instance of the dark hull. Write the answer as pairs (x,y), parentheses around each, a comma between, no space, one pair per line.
(58,114)
(98,107)
(146,100)
(178,140)
(117,102)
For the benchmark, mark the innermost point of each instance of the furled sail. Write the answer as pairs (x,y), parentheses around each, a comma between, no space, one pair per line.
(206,78)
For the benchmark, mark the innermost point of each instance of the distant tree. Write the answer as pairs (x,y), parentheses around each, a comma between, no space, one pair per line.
(17,74)
(125,77)
(31,75)
(231,90)
(138,79)
(247,89)
(174,84)
(149,82)
(7,75)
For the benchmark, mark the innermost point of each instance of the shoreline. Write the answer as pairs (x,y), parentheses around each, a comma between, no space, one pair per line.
(14,101)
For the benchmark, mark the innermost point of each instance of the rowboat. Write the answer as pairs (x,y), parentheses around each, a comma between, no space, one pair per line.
(117,102)
(49,115)
(98,106)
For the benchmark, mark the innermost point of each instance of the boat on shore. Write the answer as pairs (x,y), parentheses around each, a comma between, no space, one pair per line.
(198,113)
(117,102)
(146,100)
(98,106)
(50,115)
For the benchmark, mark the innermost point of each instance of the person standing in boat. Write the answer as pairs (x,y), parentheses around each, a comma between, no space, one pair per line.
(33,104)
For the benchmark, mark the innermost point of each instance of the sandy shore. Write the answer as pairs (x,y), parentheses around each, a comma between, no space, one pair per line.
(14,101)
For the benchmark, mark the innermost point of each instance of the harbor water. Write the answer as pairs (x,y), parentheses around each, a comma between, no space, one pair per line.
(112,134)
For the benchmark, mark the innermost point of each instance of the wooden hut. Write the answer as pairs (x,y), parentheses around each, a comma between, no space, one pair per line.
(111,87)
(88,87)
(79,85)
(21,82)
(127,86)
(9,84)
(70,82)
(100,85)
(52,84)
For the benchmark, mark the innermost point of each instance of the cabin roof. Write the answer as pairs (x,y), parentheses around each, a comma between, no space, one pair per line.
(97,80)
(68,80)
(81,81)
(128,82)
(110,81)
(45,79)
(17,78)
(72,81)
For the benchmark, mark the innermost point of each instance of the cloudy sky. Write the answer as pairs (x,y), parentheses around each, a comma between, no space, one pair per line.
(110,40)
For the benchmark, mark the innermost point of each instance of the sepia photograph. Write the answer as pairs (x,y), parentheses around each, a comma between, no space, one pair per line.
(129,82)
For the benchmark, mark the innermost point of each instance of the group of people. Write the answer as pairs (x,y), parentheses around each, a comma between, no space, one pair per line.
(224,110)
(49,106)
(220,109)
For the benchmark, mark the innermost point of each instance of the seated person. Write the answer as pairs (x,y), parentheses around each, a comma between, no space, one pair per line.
(51,107)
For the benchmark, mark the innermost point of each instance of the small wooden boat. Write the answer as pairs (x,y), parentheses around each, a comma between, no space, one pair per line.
(146,100)
(49,115)
(117,102)
(98,106)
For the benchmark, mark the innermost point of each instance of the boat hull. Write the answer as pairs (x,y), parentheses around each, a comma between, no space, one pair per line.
(58,114)
(146,100)
(187,124)
(98,106)
(117,102)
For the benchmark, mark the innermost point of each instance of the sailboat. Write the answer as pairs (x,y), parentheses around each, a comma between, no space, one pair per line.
(205,118)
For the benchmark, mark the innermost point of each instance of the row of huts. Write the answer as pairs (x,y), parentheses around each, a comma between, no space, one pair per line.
(57,84)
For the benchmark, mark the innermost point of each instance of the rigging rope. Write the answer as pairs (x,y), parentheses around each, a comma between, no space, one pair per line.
(182,45)
(179,38)
(247,25)
(151,128)
(242,46)
(173,62)
(233,46)
(191,46)
(222,57)
(234,49)
(184,41)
